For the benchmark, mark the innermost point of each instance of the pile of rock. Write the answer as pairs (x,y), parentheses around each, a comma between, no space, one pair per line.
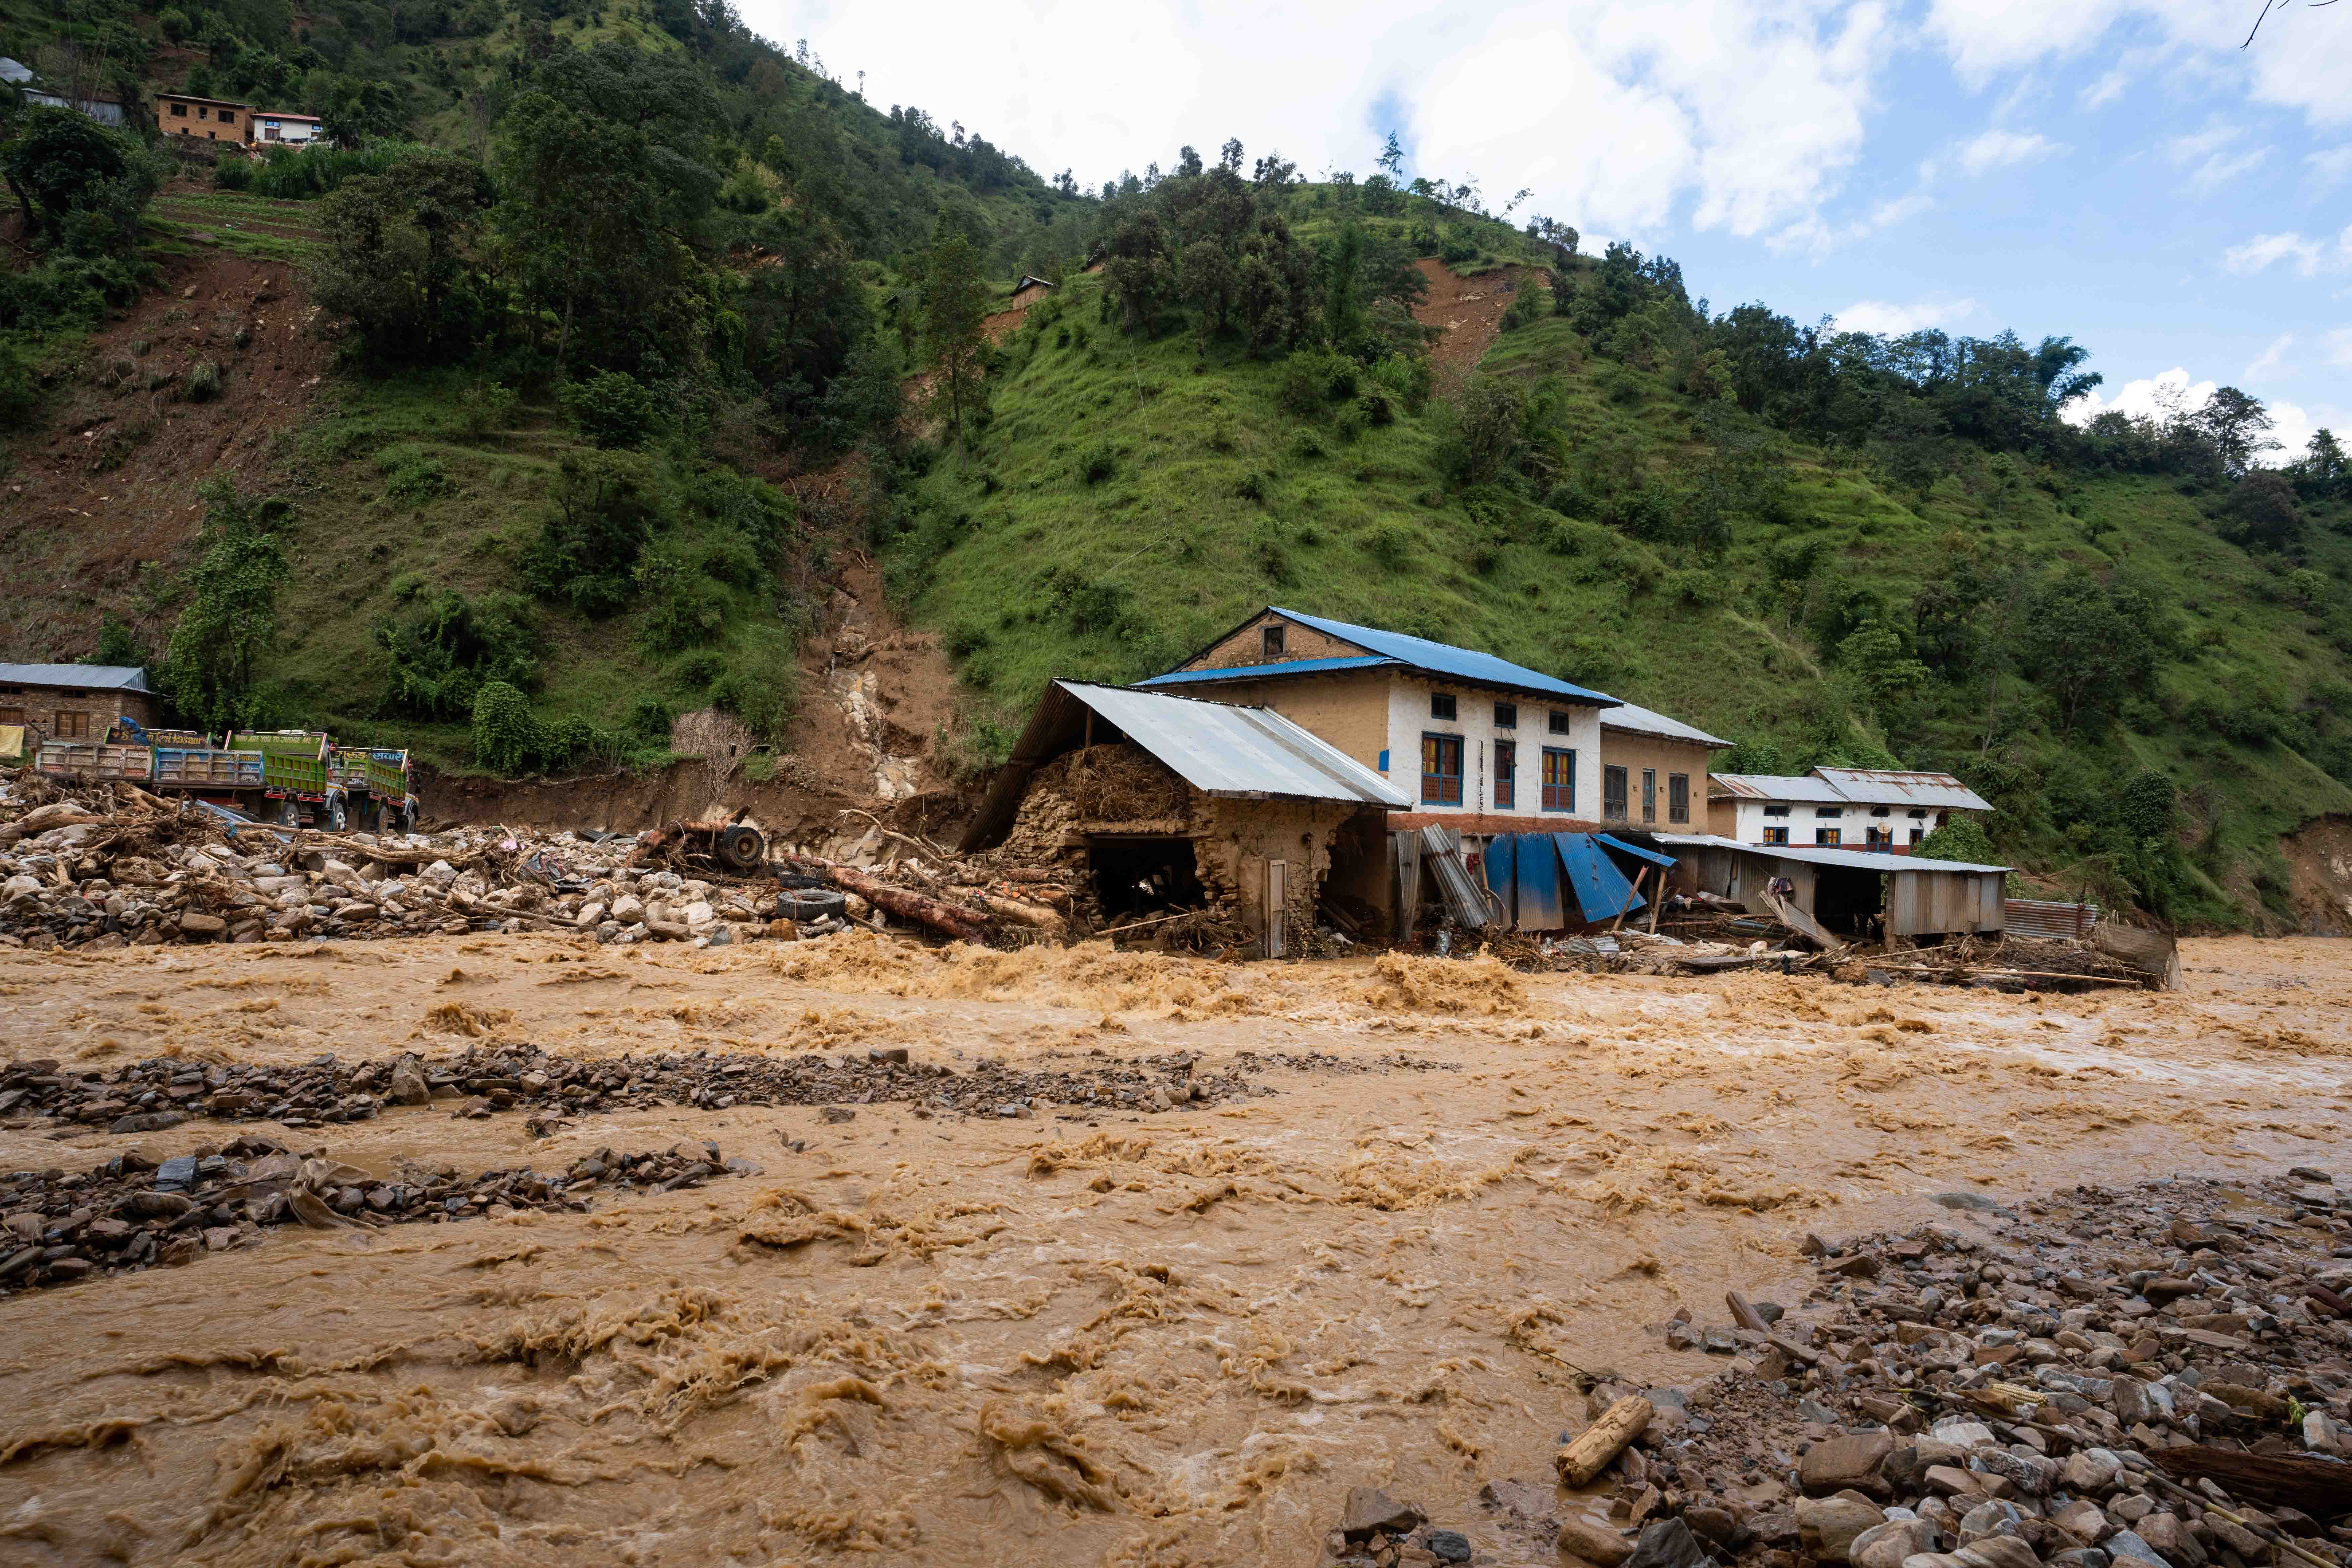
(135,1211)
(2159,1377)
(482,1080)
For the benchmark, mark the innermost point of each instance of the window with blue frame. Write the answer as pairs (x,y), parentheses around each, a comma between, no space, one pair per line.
(1441,770)
(1558,779)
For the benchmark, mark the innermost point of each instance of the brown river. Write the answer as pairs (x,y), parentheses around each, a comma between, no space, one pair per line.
(1083,1337)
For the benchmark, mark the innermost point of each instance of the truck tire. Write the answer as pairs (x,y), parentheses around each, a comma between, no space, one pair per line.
(339,815)
(810,904)
(741,848)
(289,815)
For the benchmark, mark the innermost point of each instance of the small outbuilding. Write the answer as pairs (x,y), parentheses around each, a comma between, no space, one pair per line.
(73,701)
(1854,894)
(1162,806)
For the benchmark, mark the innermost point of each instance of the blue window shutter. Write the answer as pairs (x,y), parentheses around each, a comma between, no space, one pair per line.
(1384,762)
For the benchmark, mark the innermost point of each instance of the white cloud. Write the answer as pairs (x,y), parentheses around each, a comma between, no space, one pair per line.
(2001,149)
(2328,167)
(2156,396)
(2207,158)
(2270,361)
(2308,255)
(2337,346)
(1894,319)
(2299,61)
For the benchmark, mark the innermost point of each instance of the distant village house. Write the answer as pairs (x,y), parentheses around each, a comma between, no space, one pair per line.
(72,702)
(1889,811)
(105,110)
(203,119)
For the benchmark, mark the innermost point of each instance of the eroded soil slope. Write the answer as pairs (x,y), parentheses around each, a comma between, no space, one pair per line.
(111,484)
(1073,1332)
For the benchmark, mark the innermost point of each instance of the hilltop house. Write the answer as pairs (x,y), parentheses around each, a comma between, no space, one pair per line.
(1882,809)
(15,73)
(273,127)
(203,119)
(1654,770)
(73,701)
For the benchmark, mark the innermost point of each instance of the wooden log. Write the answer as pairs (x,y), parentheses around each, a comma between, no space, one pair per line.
(1602,1442)
(941,917)
(1745,1316)
(1638,878)
(2320,1488)
(1044,919)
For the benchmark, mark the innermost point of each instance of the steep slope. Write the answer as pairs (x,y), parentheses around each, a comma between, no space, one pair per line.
(1133,498)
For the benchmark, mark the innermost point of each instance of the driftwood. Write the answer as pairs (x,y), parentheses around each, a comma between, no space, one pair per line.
(942,917)
(1036,915)
(1745,1316)
(1594,1448)
(2318,1486)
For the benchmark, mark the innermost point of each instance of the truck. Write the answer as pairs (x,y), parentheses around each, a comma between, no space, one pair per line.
(293,777)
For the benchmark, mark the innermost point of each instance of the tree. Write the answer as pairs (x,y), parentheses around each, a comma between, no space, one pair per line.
(404,261)
(1208,280)
(2325,470)
(2088,644)
(2260,513)
(231,618)
(1391,161)
(57,164)
(2237,426)
(1874,655)
(954,304)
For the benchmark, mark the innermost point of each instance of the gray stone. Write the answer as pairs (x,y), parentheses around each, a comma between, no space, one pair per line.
(2310,1174)
(2125,1547)
(1828,1526)
(2171,1539)
(176,1172)
(1854,1460)
(1667,1543)
(1991,1517)
(1889,1545)
(2080,1557)
(2000,1552)
(1449,1546)
(1582,1535)
(1974,1202)
(2090,1471)
(408,1085)
(1371,1510)
(2021,1468)
(2083,1520)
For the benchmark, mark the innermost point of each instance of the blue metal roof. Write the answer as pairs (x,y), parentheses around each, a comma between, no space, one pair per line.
(1652,856)
(1439,658)
(1250,671)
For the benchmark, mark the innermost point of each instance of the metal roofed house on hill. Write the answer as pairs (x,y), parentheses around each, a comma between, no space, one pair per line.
(1881,810)
(1160,806)
(72,702)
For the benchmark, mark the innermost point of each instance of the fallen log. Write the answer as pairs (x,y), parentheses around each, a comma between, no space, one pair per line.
(1745,1315)
(2320,1488)
(1598,1444)
(941,917)
(1044,919)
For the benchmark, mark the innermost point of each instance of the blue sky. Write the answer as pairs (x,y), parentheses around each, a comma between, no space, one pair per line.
(2116,170)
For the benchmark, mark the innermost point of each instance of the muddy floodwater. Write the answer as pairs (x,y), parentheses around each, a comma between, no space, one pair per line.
(1075,1336)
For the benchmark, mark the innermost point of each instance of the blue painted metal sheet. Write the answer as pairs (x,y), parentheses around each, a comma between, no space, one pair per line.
(1536,872)
(1652,856)
(1593,878)
(1443,659)
(1500,881)
(1256,671)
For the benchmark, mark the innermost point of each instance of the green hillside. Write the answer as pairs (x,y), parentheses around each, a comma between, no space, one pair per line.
(603,288)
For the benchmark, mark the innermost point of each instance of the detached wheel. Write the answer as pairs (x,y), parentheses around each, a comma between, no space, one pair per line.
(809,904)
(741,848)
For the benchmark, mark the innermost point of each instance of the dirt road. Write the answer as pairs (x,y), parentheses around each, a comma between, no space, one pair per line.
(1106,1337)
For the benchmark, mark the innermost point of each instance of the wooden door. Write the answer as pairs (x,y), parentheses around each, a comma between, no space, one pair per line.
(1277,907)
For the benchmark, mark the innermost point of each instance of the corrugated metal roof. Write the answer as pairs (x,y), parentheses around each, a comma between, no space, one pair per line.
(1648,721)
(1776,786)
(1223,750)
(1440,659)
(1888,787)
(1252,671)
(88,677)
(1852,859)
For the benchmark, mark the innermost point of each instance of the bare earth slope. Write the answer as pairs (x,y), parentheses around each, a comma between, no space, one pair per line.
(1101,1336)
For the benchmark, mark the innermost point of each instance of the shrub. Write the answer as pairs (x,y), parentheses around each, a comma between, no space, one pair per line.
(233,172)
(1253,487)
(1301,392)
(604,510)
(1378,406)
(505,733)
(1351,423)
(1098,463)
(761,687)
(484,409)
(203,382)
(293,174)
(682,609)
(1390,544)
(612,409)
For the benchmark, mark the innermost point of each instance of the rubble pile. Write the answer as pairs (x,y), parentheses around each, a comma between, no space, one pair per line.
(81,868)
(135,1211)
(2158,1378)
(162,1093)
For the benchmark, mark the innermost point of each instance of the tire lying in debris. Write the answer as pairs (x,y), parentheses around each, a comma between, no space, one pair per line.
(810,904)
(742,849)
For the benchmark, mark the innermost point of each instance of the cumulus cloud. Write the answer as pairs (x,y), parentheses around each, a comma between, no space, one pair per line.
(2337,347)
(2152,397)
(2210,158)
(2329,166)
(2001,149)
(1894,319)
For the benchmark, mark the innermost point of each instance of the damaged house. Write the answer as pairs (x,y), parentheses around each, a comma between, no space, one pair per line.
(1226,825)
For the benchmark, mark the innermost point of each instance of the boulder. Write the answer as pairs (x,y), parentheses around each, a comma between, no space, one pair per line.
(1581,1535)
(1853,1460)
(1666,1543)
(1826,1526)
(1891,1545)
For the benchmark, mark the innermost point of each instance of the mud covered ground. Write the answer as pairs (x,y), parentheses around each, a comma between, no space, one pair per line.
(1092,1333)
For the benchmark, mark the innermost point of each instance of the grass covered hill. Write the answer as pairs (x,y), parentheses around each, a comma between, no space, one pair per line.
(611,328)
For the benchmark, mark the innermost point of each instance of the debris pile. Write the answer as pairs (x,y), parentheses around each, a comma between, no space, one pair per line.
(135,1211)
(2157,1377)
(164,1091)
